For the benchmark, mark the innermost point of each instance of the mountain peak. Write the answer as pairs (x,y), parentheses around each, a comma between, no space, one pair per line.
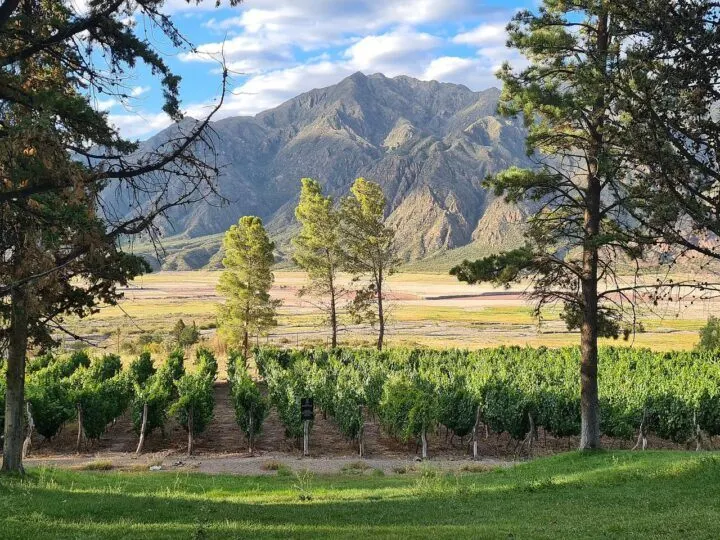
(428,144)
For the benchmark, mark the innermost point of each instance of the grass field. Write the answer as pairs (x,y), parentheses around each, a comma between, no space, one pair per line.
(432,310)
(573,495)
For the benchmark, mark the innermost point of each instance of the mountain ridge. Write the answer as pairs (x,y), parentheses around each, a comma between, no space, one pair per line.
(428,144)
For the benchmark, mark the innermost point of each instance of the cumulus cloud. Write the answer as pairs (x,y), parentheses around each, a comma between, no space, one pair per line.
(486,35)
(276,49)
(402,49)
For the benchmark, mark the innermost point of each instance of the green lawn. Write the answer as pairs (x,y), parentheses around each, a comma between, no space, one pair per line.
(603,495)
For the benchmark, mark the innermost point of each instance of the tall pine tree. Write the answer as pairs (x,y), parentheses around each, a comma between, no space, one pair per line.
(317,249)
(593,199)
(245,283)
(369,250)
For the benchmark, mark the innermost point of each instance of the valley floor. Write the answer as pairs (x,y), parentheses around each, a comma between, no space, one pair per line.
(433,310)
(610,494)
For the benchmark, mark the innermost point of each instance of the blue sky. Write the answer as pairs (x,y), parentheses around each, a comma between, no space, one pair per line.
(277,49)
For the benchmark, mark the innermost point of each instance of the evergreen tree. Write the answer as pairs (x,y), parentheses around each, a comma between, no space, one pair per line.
(587,190)
(59,157)
(317,248)
(246,283)
(369,250)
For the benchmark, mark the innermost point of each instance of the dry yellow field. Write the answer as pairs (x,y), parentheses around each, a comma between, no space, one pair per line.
(425,310)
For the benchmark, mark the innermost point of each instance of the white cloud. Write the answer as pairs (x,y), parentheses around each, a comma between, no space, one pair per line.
(400,50)
(483,35)
(105,104)
(137,91)
(242,54)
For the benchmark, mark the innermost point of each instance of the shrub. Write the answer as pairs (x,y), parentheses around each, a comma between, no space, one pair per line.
(710,335)
(155,392)
(106,367)
(141,369)
(409,408)
(206,362)
(50,401)
(195,404)
(251,408)
(176,364)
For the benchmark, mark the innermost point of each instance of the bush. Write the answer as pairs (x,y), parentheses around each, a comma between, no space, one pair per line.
(206,362)
(106,367)
(176,365)
(184,335)
(236,362)
(141,369)
(409,407)
(100,400)
(285,391)
(155,391)
(251,408)
(195,404)
(51,403)
(710,335)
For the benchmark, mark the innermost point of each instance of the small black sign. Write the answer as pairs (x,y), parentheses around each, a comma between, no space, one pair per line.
(306,409)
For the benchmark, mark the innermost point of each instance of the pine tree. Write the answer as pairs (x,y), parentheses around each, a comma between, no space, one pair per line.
(588,190)
(369,250)
(59,156)
(246,283)
(317,249)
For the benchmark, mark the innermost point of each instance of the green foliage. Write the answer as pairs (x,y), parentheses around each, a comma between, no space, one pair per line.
(502,269)
(206,362)
(514,388)
(101,399)
(245,283)
(286,387)
(710,335)
(184,335)
(175,365)
(50,398)
(317,247)
(409,406)
(368,247)
(106,366)
(235,362)
(195,400)
(141,369)
(251,408)
(156,391)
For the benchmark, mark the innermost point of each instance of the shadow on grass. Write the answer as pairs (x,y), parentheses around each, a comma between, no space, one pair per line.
(641,495)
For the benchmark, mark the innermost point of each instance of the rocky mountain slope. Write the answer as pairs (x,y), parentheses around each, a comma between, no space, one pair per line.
(429,145)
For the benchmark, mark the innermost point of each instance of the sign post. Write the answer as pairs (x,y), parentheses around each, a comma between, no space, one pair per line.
(307,414)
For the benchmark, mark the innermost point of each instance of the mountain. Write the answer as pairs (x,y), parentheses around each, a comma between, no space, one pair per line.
(429,145)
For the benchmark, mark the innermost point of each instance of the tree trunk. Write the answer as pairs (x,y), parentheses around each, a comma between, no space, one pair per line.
(246,344)
(381,313)
(361,434)
(589,400)
(423,438)
(30,429)
(190,432)
(15,382)
(80,428)
(250,434)
(143,427)
(333,314)
(475,432)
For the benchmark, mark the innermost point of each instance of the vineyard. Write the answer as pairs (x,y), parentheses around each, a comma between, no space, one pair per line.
(518,392)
